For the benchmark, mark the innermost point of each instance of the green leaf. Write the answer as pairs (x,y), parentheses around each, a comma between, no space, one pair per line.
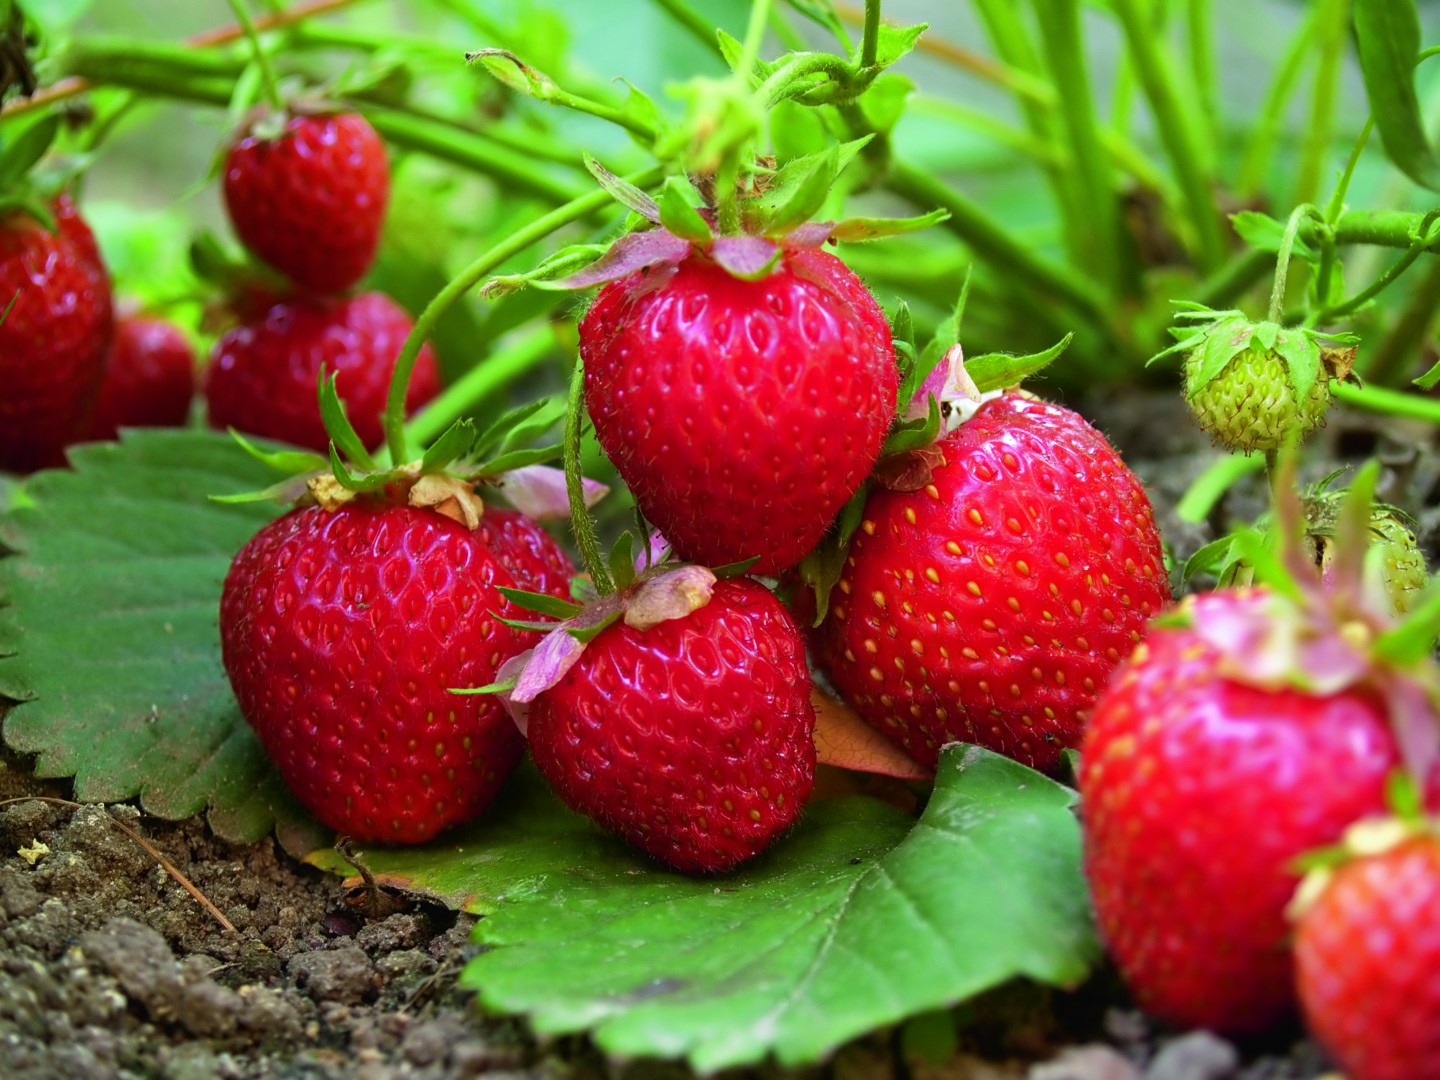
(859,919)
(1387,36)
(1265,233)
(108,634)
(996,371)
(823,13)
(19,155)
(895,41)
(1430,378)
(678,214)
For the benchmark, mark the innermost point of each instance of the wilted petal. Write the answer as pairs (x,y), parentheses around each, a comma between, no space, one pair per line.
(632,252)
(746,257)
(539,491)
(671,595)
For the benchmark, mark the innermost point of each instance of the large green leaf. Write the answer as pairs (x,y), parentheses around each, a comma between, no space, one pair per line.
(108,632)
(862,917)
(1387,35)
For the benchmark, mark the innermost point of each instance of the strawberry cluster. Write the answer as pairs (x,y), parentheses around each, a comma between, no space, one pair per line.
(306,191)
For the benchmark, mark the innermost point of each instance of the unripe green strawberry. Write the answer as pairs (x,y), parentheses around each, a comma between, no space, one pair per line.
(1401,563)
(1250,385)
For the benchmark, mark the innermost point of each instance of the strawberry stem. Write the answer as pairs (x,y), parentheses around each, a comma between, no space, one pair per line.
(870,42)
(581,524)
(268,78)
(462,283)
(1282,259)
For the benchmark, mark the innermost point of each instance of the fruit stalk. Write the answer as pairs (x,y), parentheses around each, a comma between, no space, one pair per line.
(581,524)
(268,79)
(462,283)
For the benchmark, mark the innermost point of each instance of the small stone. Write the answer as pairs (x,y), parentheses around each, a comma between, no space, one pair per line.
(1095,1061)
(342,975)
(1199,1055)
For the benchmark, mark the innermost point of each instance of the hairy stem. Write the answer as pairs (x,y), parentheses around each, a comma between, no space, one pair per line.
(581,523)
(462,283)
(268,79)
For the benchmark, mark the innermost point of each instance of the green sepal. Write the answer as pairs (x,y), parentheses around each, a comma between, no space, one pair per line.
(862,230)
(1210,559)
(362,481)
(733,51)
(547,273)
(1222,343)
(534,625)
(587,634)
(798,189)
(622,560)
(337,424)
(823,14)
(296,464)
(514,74)
(913,434)
(739,568)
(20,154)
(1252,548)
(997,371)
(907,359)
(518,459)
(489,688)
(540,603)
(884,102)
(1430,378)
(679,216)
(455,443)
(1301,354)
(1414,639)
(821,569)
(641,107)
(622,191)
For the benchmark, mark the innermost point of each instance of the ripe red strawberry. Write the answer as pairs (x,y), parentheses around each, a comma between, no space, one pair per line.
(310,202)
(692,738)
(341,632)
(1367,953)
(263,373)
(991,604)
(742,414)
(149,379)
(1225,748)
(54,339)
(527,551)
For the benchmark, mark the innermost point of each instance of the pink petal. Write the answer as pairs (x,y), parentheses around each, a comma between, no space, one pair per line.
(538,491)
(671,595)
(746,257)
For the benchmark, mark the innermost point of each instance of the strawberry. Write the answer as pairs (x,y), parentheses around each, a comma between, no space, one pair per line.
(1367,951)
(54,338)
(1401,564)
(688,732)
(262,373)
(1252,385)
(741,413)
(531,555)
(991,603)
(311,200)
(1246,731)
(149,378)
(341,632)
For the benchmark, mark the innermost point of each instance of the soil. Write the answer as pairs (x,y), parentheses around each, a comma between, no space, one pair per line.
(110,968)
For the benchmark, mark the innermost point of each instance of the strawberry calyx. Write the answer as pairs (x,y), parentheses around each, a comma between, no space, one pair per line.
(445,479)
(672,227)
(1223,335)
(658,594)
(1320,637)
(1367,838)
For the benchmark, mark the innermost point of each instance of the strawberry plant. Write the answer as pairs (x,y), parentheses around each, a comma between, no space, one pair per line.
(856,322)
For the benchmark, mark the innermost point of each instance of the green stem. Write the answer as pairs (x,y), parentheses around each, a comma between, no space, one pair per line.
(1266,134)
(466,280)
(268,78)
(1422,240)
(1184,144)
(1332,22)
(581,523)
(870,43)
(754,37)
(1282,259)
(1337,197)
(1098,230)
(1389,402)
(1200,26)
(493,373)
(1387,364)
